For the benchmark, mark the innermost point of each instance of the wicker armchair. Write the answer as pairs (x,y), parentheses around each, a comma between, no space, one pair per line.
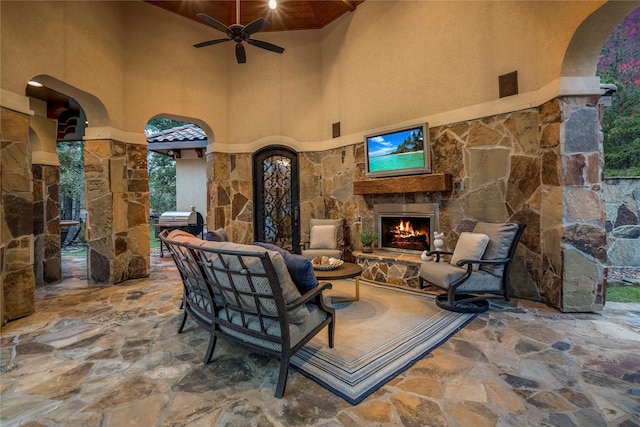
(244,293)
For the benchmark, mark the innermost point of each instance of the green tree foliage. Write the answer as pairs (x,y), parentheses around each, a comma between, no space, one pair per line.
(619,63)
(71,158)
(162,183)
(160,124)
(414,142)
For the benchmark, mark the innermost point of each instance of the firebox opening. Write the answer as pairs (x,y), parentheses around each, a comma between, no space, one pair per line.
(406,233)
(405,227)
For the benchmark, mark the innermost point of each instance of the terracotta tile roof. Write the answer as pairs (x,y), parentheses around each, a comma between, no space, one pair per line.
(179,138)
(189,132)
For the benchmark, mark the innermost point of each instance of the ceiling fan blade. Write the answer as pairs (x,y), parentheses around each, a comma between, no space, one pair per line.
(266,45)
(255,26)
(216,24)
(210,42)
(241,55)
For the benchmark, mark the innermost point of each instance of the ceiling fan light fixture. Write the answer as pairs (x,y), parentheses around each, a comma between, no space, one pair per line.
(239,34)
(273,4)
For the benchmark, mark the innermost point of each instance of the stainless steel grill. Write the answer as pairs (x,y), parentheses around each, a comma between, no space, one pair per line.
(191,222)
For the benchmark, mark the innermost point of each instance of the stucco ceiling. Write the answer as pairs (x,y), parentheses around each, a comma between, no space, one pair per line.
(289,15)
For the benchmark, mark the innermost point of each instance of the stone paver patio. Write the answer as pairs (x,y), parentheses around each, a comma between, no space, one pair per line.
(110,356)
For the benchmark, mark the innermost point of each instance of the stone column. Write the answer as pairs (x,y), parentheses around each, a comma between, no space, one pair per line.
(551,204)
(117,200)
(232,193)
(583,219)
(46,224)
(16,217)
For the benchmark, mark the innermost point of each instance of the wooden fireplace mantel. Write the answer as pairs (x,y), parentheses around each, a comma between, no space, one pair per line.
(405,184)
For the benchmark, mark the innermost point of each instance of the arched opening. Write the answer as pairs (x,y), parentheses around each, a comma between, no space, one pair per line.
(177,169)
(59,215)
(619,72)
(586,245)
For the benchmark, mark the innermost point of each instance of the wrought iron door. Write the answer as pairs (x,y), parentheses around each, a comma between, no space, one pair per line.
(277,197)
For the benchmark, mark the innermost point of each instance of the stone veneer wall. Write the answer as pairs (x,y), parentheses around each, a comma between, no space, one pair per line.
(117,200)
(46,224)
(540,166)
(622,198)
(17,279)
(230,194)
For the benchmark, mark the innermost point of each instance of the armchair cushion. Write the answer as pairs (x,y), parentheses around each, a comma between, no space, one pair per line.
(470,246)
(444,274)
(441,274)
(323,237)
(501,237)
(339,223)
(300,268)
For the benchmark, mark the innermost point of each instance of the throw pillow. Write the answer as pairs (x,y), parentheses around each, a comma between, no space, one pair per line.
(323,237)
(299,267)
(218,235)
(470,246)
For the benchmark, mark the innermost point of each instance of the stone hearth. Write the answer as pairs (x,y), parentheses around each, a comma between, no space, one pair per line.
(390,268)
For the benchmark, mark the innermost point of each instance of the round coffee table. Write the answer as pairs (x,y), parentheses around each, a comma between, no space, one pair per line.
(345,271)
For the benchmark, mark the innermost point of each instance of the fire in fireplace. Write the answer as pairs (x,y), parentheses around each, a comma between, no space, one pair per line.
(406,227)
(407,233)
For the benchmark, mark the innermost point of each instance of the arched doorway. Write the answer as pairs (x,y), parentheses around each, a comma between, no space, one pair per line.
(56,132)
(177,173)
(580,241)
(277,197)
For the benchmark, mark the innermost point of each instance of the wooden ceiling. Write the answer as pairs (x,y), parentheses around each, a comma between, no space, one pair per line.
(289,15)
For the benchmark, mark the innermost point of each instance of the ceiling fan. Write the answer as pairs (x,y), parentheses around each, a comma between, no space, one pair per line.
(239,33)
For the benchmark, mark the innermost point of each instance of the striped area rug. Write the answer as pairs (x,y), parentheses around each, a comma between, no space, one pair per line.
(377,338)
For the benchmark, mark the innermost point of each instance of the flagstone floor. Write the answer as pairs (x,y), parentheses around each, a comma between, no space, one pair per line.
(110,356)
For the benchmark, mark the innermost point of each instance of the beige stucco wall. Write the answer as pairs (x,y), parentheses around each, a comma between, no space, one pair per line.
(410,59)
(191,182)
(386,64)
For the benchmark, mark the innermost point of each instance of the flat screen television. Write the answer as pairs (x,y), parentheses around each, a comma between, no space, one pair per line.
(402,151)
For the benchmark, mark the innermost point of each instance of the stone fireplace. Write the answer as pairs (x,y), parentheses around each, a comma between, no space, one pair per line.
(532,166)
(405,227)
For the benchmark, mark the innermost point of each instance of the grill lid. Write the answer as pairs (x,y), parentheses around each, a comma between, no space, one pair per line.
(183,217)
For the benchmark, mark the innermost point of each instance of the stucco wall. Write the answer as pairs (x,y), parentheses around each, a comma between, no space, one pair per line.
(389,62)
(191,182)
